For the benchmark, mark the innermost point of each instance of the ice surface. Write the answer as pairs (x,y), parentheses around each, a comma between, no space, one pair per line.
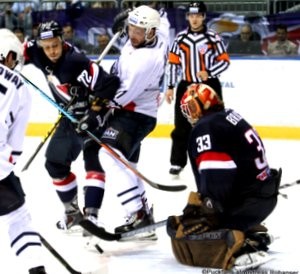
(155,257)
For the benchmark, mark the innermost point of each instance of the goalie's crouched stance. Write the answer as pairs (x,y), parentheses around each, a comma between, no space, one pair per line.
(196,240)
(221,228)
(199,239)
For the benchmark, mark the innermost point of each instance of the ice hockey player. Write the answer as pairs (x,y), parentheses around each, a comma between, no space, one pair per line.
(74,79)
(236,188)
(146,52)
(15,105)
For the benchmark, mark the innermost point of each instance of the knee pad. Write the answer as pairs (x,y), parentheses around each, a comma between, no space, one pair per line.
(57,170)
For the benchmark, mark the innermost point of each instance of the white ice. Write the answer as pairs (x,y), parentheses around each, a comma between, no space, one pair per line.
(155,257)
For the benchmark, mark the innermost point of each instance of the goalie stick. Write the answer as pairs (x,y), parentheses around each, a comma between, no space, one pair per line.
(105,146)
(101,233)
(51,249)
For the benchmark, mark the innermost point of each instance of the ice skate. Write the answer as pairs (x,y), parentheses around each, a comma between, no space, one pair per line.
(175,170)
(138,220)
(251,260)
(71,218)
(90,214)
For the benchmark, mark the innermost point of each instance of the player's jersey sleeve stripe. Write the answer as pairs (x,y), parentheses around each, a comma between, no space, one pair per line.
(215,160)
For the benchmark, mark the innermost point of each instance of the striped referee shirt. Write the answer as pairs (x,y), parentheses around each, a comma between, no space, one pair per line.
(193,52)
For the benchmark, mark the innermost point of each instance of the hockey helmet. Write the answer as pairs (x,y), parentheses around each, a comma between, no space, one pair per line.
(144,17)
(10,43)
(198,100)
(197,7)
(49,30)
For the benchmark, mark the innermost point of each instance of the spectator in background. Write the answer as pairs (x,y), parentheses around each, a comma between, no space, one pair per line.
(282,46)
(23,10)
(70,37)
(247,43)
(102,41)
(7,18)
(19,32)
(34,31)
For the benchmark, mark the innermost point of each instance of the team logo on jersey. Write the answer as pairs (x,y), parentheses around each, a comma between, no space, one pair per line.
(110,133)
(202,48)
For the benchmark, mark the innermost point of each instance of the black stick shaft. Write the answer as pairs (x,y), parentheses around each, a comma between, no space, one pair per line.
(58,256)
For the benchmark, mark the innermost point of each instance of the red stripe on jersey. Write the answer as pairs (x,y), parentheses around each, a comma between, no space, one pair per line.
(213,156)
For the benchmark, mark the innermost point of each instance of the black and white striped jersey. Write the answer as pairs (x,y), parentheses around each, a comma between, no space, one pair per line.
(192,52)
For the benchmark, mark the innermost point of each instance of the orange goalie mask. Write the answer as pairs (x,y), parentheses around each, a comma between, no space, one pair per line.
(198,100)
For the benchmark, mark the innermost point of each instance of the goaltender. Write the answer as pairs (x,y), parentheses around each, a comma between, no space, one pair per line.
(236,189)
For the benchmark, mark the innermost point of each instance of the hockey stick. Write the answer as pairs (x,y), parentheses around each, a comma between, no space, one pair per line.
(61,259)
(289,184)
(108,148)
(109,45)
(101,233)
(286,186)
(49,133)
(107,48)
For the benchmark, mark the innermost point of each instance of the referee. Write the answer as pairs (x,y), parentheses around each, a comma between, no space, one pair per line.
(197,55)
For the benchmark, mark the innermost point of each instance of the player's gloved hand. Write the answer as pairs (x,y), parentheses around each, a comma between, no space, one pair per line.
(90,121)
(119,23)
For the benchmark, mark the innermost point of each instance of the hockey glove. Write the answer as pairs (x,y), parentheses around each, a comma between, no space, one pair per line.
(90,121)
(198,216)
(93,120)
(119,23)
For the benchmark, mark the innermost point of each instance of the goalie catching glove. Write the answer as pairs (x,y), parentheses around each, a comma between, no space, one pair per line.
(196,238)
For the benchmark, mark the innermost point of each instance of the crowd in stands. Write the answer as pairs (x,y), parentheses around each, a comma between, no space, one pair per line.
(17,16)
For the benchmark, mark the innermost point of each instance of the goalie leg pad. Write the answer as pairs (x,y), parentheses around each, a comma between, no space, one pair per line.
(213,249)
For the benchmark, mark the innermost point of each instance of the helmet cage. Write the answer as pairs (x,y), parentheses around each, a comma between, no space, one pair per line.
(197,101)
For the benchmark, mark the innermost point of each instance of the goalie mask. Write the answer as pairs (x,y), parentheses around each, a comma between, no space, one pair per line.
(10,44)
(198,100)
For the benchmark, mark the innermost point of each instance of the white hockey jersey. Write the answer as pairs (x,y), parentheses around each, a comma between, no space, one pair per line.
(141,71)
(15,105)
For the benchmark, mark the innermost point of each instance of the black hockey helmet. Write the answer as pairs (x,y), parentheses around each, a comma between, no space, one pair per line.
(197,7)
(49,29)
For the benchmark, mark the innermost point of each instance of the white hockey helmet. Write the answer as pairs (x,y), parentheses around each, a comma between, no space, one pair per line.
(10,43)
(144,17)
